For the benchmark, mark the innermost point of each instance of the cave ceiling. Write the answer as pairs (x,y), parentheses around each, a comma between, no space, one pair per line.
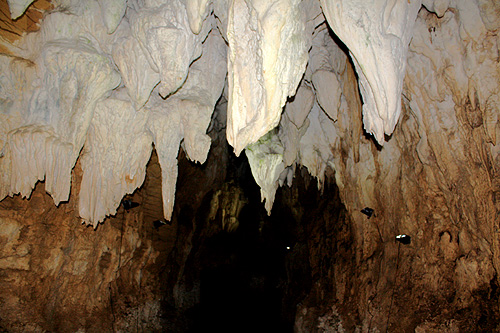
(321,84)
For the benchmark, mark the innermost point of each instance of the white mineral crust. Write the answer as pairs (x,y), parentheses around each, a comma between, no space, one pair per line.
(268,44)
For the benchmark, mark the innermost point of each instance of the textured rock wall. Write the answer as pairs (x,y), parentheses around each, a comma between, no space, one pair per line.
(435,179)
(58,275)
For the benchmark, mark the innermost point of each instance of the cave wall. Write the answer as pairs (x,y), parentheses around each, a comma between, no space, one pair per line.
(131,273)
(58,275)
(435,179)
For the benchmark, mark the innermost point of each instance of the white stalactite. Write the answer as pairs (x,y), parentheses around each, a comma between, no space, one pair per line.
(114,160)
(73,77)
(186,115)
(266,162)
(115,77)
(164,33)
(377,34)
(268,44)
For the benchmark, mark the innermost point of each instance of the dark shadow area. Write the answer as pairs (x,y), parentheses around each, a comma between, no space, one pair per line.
(242,270)
(252,279)
(256,274)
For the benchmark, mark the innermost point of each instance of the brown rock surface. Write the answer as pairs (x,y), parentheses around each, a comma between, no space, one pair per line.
(59,275)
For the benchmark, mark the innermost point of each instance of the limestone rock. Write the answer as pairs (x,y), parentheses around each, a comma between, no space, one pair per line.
(15,253)
(294,123)
(377,35)
(113,12)
(114,159)
(168,42)
(221,12)
(16,78)
(266,161)
(268,43)
(167,134)
(186,115)
(314,146)
(50,262)
(323,76)
(199,95)
(138,76)
(87,86)
(197,11)
(74,77)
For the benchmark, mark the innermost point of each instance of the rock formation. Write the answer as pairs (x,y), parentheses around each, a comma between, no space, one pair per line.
(396,102)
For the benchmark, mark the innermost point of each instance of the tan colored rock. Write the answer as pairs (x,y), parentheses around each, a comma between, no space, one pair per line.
(57,275)
(15,253)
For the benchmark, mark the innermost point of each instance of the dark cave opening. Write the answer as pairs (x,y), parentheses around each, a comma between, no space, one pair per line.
(242,272)
(244,291)
(255,277)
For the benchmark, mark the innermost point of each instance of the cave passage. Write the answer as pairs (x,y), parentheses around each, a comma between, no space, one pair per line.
(253,278)
(243,279)
(244,291)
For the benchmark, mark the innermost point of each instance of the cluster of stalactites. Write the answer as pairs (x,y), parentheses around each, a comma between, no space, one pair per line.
(105,80)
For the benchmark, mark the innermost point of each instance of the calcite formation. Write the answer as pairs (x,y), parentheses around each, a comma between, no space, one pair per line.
(73,84)
(107,80)
(268,43)
(17,8)
(377,35)
(266,161)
